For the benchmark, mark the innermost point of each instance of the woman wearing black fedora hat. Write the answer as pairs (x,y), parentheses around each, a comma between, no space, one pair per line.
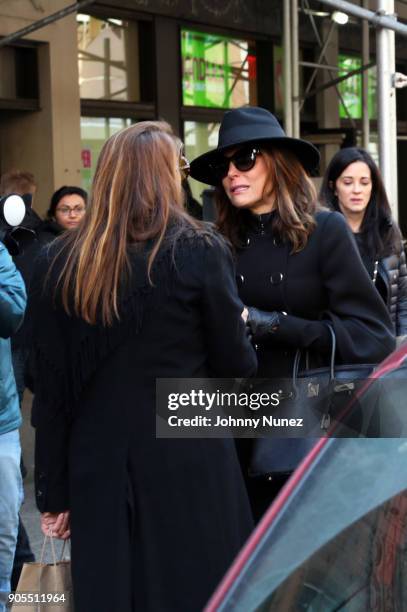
(297,266)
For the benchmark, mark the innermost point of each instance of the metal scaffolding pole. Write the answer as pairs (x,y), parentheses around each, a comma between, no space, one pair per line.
(383,21)
(288,117)
(365,81)
(41,23)
(295,69)
(387,25)
(387,119)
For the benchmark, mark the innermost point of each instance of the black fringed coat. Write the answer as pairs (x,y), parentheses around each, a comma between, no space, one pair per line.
(155,522)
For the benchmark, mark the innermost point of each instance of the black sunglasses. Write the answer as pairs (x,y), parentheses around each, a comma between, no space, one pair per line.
(243,160)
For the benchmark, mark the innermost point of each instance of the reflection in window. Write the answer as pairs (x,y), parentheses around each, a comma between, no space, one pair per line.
(199,138)
(351,88)
(94,132)
(217,71)
(108,59)
(362,568)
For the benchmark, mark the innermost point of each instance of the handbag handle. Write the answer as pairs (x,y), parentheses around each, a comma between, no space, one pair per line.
(297,359)
(54,558)
(54,562)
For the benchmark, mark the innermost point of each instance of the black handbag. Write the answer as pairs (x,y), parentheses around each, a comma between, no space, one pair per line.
(321,395)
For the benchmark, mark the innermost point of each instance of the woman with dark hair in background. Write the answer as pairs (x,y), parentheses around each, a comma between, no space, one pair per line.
(353,186)
(66,211)
(298,268)
(143,292)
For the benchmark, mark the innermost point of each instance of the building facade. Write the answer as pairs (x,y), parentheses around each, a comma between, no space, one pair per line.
(68,86)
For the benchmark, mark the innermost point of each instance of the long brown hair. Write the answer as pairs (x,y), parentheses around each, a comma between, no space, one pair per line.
(136,193)
(295,201)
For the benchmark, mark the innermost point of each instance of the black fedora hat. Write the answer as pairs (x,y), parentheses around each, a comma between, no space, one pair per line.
(251,124)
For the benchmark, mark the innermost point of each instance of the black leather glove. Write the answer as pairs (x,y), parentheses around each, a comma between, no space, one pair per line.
(262,324)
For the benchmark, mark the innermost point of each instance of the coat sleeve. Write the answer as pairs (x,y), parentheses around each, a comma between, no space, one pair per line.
(52,420)
(230,353)
(355,309)
(402,296)
(12,295)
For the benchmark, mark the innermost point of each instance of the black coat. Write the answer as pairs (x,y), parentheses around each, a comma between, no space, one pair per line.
(155,522)
(44,232)
(390,281)
(393,271)
(324,281)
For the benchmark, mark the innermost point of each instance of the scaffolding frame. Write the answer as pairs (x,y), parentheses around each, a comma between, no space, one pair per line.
(387,79)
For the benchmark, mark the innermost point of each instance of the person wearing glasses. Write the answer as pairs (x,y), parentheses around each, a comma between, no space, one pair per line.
(140,291)
(297,268)
(66,211)
(353,186)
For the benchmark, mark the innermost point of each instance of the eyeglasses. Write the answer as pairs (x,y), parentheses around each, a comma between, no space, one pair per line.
(184,166)
(243,160)
(67,210)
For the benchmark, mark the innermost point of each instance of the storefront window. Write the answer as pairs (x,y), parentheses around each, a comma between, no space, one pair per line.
(108,57)
(351,89)
(94,132)
(199,138)
(19,73)
(278,79)
(217,71)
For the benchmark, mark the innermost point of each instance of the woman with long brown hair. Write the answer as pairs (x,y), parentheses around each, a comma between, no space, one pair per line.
(139,291)
(297,269)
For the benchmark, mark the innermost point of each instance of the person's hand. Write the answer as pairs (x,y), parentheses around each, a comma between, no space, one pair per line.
(245,316)
(56,524)
(262,324)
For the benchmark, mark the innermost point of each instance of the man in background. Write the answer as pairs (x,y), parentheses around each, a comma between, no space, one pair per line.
(22,183)
(12,306)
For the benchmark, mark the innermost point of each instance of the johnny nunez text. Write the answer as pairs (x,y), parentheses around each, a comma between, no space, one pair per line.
(229,421)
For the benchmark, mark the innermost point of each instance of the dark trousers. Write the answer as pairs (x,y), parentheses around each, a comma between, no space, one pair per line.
(262,490)
(23,552)
(22,555)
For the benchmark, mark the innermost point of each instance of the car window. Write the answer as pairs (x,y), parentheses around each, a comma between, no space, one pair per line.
(363,568)
(330,524)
